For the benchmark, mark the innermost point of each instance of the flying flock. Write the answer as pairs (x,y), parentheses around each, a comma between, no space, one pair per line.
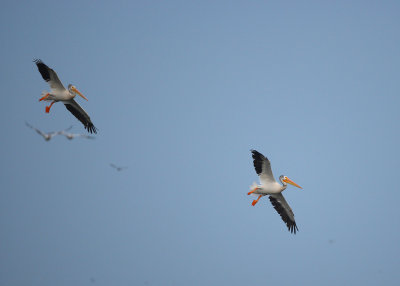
(268,185)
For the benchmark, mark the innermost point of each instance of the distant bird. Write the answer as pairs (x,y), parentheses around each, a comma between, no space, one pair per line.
(59,93)
(71,136)
(118,168)
(272,188)
(49,135)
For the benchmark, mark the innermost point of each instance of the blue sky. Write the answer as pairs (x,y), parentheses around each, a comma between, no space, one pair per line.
(180,92)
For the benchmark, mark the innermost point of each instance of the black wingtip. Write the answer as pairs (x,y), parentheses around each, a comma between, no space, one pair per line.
(293,228)
(291,224)
(91,128)
(43,69)
(255,152)
(257,161)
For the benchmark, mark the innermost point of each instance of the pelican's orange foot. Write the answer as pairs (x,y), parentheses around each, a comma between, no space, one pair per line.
(44,97)
(256,201)
(252,191)
(48,107)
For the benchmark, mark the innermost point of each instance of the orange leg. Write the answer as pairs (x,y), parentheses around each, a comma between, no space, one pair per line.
(256,201)
(252,191)
(48,107)
(44,97)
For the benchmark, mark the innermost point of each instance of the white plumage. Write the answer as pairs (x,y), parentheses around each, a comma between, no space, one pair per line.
(59,93)
(268,186)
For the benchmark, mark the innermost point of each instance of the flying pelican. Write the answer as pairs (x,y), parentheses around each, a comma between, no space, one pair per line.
(59,93)
(272,188)
(71,136)
(118,168)
(49,135)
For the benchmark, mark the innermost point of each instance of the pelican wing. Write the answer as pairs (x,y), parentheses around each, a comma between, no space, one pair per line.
(263,168)
(69,128)
(86,136)
(49,75)
(284,210)
(52,134)
(81,114)
(118,168)
(73,135)
(37,130)
(47,136)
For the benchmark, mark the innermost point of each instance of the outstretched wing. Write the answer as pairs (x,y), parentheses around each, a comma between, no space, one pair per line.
(263,167)
(69,128)
(284,210)
(37,130)
(81,114)
(118,168)
(61,132)
(49,76)
(46,136)
(85,136)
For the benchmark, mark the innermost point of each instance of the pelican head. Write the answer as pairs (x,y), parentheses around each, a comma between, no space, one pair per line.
(72,89)
(285,180)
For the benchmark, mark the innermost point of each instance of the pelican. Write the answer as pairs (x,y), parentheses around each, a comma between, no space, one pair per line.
(49,135)
(71,136)
(268,186)
(59,93)
(118,168)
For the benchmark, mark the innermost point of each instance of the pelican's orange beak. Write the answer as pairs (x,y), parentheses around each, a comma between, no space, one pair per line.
(78,92)
(289,181)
